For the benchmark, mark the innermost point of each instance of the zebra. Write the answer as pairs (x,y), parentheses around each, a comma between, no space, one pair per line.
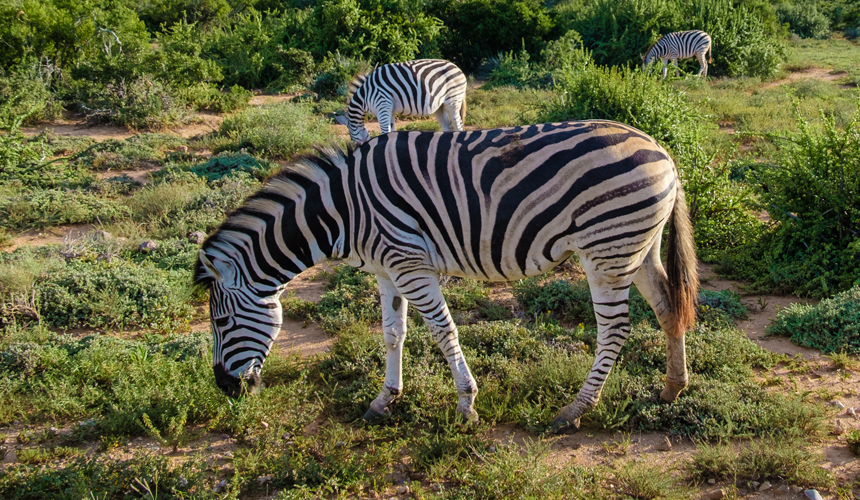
(422,87)
(499,205)
(680,45)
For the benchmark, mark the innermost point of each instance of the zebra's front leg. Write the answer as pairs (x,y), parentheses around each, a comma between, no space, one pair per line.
(385,117)
(665,67)
(422,289)
(613,327)
(394,308)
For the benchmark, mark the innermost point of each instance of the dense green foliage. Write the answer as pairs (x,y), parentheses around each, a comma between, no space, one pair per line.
(831,326)
(814,194)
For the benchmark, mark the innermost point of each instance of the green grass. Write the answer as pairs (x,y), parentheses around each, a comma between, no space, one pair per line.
(503,107)
(832,326)
(836,54)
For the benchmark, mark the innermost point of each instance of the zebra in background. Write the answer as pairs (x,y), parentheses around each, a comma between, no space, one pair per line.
(497,205)
(680,45)
(422,87)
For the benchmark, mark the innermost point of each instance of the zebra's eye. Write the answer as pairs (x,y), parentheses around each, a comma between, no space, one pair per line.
(222,322)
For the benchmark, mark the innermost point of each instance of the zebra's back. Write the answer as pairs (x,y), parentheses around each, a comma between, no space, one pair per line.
(508,203)
(682,44)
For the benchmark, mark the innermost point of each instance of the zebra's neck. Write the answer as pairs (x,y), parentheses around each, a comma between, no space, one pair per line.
(298,219)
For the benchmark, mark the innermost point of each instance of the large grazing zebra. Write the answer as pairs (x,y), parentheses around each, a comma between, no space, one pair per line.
(680,45)
(498,204)
(422,87)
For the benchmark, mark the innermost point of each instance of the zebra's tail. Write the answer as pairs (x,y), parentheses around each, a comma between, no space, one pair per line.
(681,265)
(463,111)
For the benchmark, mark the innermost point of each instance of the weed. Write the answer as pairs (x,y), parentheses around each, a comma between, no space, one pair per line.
(852,437)
(831,326)
(843,361)
(33,456)
(767,458)
(650,481)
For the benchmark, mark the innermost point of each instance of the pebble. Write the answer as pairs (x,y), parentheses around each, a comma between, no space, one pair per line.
(712,481)
(714,494)
(228,455)
(837,428)
(53,430)
(340,444)
(287,435)
(783,489)
(220,486)
(147,246)
(765,486)
(402,490)
(265,425)
(264,480)
(795,489)
(225,436)
(850,411)
(754,485)
(101,235)
(813,494)
(416,476)
(838,404)
(197,237)
(492,449)
(436,487)
(664,445)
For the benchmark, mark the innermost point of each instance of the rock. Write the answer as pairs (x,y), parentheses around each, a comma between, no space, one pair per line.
(340,444)
(53,430)
(664,445)
(436,487)
(402,490)
(287,435)
(813,494)
(182,149)
(838,430)
(197,237)
(782,489)
(416,476)
(220,486)
(712,481)
(147,246)
(714,494)
(765,486)
(492,449)
(264,480)
(754,485)
(795,489)
(228,455)
(838,404)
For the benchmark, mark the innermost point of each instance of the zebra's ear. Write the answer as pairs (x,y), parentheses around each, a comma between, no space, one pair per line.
(209,265)
(340,119)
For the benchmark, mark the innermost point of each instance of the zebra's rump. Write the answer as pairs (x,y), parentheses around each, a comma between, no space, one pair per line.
(506,203)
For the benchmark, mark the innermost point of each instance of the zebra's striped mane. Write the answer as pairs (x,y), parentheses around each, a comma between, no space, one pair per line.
(308,166)
(652,45)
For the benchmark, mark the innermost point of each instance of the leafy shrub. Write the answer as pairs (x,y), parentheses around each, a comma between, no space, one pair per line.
(223,164)
(111,294)
(44,208)
(831,326)
(276,131)
(136,152)
(560,56)
(853,440)
(209,97)
(337,71)
(478,29)
(724,300)
(814,194)
(142,103)
(804,19)
(385,31)
(26,97)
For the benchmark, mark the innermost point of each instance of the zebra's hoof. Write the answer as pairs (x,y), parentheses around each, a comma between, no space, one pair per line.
(562,426)
(372,417)
(671,391)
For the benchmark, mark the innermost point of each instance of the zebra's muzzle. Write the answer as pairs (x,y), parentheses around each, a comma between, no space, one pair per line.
(234,386)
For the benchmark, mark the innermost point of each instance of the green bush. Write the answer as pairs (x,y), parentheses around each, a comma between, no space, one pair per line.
(223,164)
(804,19)
(337,71)
(26,97)
(112,294)
(831,326)
(814,194)
(276,131)
(479,29)
(44,208)
(142,103)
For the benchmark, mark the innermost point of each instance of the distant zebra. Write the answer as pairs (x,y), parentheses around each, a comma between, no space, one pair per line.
(496,205)
(422,87)
(680,45)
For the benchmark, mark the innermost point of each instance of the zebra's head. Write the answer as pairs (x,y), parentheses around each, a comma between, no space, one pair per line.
(245,321)
(355,125)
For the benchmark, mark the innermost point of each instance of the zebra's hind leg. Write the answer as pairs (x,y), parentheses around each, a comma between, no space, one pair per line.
(394,308)
(611,310)
(452,109)
(652,282)
(422,289)
(442,117)
(703,64)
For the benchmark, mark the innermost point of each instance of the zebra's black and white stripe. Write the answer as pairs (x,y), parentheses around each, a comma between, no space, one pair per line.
(680,45)
(422,87)
(497,204)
